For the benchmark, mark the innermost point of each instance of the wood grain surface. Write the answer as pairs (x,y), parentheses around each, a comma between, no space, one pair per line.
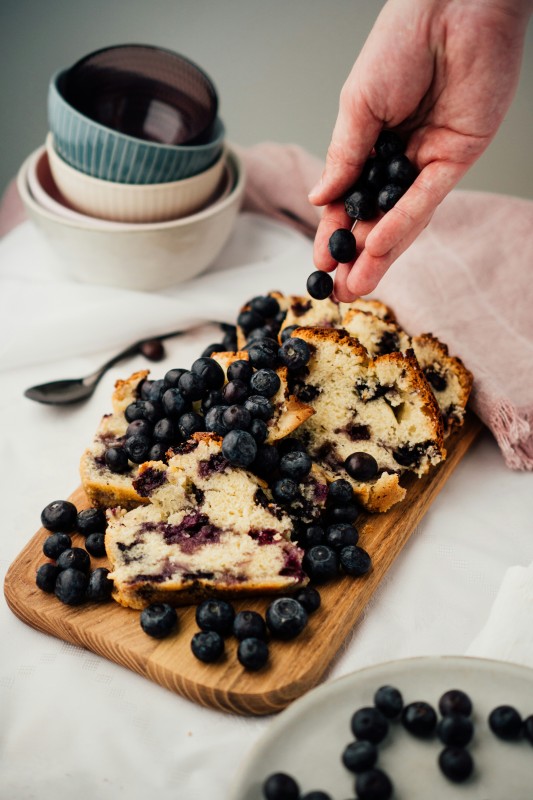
(294,667)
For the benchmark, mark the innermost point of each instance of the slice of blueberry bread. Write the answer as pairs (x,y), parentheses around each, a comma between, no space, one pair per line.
(210,528)
(374,418)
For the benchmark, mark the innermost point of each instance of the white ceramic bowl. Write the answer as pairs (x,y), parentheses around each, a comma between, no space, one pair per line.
(142,257)
(128,202)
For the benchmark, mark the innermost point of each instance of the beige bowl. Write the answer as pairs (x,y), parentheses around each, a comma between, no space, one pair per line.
(127,202)
(142,257)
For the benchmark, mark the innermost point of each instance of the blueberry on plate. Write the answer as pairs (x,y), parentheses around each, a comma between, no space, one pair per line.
(265,305)
(192,386)
(309,598)
(99,587)
(138,426)
(266,460)
(341,534)
(75,557)
(286,618)
(319,284)
(215,347)
(263,354)
(456,763)
(215,615)
(354,560)
(259,407)
(455,729)
(240,370)
(137,448)
(359,756)
(419,719)
(252,653)
(158,452)
(295,465)
(60,515)
(235,391)
(370,724)
(55,544)
(171,378)
(240,448)
(321,563)
(389,700)
(280,786)
(190,423)
(141,409)
(294,353)
(250,319)
(285,490)
(165,431)
(287,332)
(158,620)
(346,513)
(360,204)
(361,466)
(455,701)
(95,544)
(342,246)
(373,784)
(236,418)
(259,430)
(116,459)
(312,536)
(174,403)
(207,646)
(340,492)
(265,382)
(210,371)
(389,196)
(505,722)
(249,624)
(91,520)
(70,586)
(46,576)
(213,421)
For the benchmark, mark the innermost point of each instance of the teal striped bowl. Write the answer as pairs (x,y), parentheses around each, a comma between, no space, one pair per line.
(105,153)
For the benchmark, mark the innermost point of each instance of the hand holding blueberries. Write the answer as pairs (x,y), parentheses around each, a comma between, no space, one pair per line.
(441,75)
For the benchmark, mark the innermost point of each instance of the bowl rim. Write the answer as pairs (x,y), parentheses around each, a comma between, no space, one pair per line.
(219,130)
(135,188)
(233,161)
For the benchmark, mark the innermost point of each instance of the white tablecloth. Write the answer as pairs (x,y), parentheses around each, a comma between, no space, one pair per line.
(75,724)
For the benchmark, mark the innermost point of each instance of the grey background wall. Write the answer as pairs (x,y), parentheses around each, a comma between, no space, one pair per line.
(278,65)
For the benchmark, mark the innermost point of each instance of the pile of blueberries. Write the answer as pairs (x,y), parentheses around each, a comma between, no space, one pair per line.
(370,726)
(68,575)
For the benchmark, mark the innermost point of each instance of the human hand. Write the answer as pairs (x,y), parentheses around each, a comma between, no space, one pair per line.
(442,73)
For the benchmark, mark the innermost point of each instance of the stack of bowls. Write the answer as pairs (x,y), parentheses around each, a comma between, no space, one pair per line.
(136,185)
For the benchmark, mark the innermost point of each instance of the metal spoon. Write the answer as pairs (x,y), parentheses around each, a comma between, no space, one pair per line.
(73,390)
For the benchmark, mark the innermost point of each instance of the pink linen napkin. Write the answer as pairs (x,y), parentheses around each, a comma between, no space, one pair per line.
(467,279)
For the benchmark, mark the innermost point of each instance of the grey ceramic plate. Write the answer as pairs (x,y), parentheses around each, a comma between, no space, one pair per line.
(306,740)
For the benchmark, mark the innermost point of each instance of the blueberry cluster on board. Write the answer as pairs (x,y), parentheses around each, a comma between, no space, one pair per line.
(372,725)
(68,574)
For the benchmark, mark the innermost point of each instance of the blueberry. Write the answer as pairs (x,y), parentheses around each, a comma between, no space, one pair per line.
(172,378)
(401,170)
(505,722)
(321,563)
(263,354)
(99,587)
(388,144)
(294,353)
(360,204)
(259,407)
(141,409)
(190,423)
(237,418)
(370,724)
(212,399)
(60,515)
(239,448)
(285,490)
(280,786)
(116,459)
(455,701)
(265,305)
(340,492)
(248,320)
(240,370)
(266,460)
(230,342)
(341,534)
(456,763)
(265,382)
(215,615)
(259,430)
(155,392)
(347,513)
(249,624)
(373,784)
(94,544)
(374,174)
(158,452)
(455,729)
(389,196)
(74,557)
(286,618)
(354,560)
(389,701)
(207,646)
(287,332)
(55,544)
(265,332)
(528,728)
(342,246)
(419,718)
(235,391)
(158,620)
(309,598)
(359,756)
(319,285)
(216,347)
(91,520)
(137,448)
(316,794)
(437,381)
(70,586)
(139,426)
(46,576)
(143,388)
(174,403)
(210,371)
(252,653)
(312,536)
(361,466)
(295,465)
(213,421)
(192,386)
(165,430)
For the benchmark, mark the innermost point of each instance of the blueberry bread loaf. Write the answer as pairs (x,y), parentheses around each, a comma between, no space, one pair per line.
(374,418)
(210,528)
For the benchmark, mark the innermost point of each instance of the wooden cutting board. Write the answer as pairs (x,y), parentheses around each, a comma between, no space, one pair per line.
(294,667)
